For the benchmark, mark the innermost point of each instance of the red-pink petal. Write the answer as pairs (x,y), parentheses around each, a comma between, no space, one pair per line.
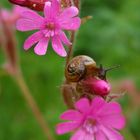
(66,127)
(27,24)
(82,135)
(83,105)
(69,12)
(111,133)
(51,8)
(100,136)
(30,14)
(71,23)
(111,108)
(58,47)
(18,9)
(116,121)
(97,104)
(55,7)
(41,47)
(64,38)
(71,115)
(31,40)
(47,9)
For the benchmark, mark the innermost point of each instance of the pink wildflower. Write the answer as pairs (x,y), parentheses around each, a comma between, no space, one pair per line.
(50,27)
(96,120)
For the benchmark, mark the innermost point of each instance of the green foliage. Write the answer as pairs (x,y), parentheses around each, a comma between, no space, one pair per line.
(111,38)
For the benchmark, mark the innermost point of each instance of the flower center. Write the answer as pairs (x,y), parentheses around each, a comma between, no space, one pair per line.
(50,25)
(90,125)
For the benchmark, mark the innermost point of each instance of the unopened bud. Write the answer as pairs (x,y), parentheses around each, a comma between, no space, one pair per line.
(97,86)
(101,87)
(8,41)
(37,5)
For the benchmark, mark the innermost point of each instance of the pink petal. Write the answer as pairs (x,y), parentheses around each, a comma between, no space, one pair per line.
(111,134)
(111,108)
(97,104)
(64,38)
(47,9)
(16,13)
(83,105)
(71,115)
(31,40)
(69,12)
(116,121)
(41,47)
(30,14)
(71,23)
(55,7)
(27,24)
(82,135)
(51,9)
(18,9)
(66,127)
(100,136)
(58,47)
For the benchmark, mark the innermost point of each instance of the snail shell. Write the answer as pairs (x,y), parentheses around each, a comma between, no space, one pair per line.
(80,67)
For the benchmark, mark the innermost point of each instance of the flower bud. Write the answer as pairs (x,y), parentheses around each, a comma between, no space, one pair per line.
(18,2)
(96,86)
(100,87)
(37,5)
(8,40)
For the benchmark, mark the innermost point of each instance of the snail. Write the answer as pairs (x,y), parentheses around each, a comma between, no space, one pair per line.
(84,79)
(80,67)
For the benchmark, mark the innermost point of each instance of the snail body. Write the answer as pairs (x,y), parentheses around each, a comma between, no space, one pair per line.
(80,67)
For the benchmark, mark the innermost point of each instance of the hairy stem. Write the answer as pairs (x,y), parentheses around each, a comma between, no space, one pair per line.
(70,51)
(68,90)
(34,107)
(73,33)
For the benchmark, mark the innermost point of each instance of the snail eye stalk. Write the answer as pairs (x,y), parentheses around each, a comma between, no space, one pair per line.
(103,71)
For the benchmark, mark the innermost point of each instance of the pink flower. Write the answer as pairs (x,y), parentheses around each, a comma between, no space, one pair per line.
(50,27)
(97,120)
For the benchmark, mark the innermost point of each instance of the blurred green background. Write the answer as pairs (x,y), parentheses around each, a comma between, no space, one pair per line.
(112,37)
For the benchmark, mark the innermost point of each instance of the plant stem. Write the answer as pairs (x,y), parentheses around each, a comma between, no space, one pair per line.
(68,91)
(70,51)
(73,33)
(33,106)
